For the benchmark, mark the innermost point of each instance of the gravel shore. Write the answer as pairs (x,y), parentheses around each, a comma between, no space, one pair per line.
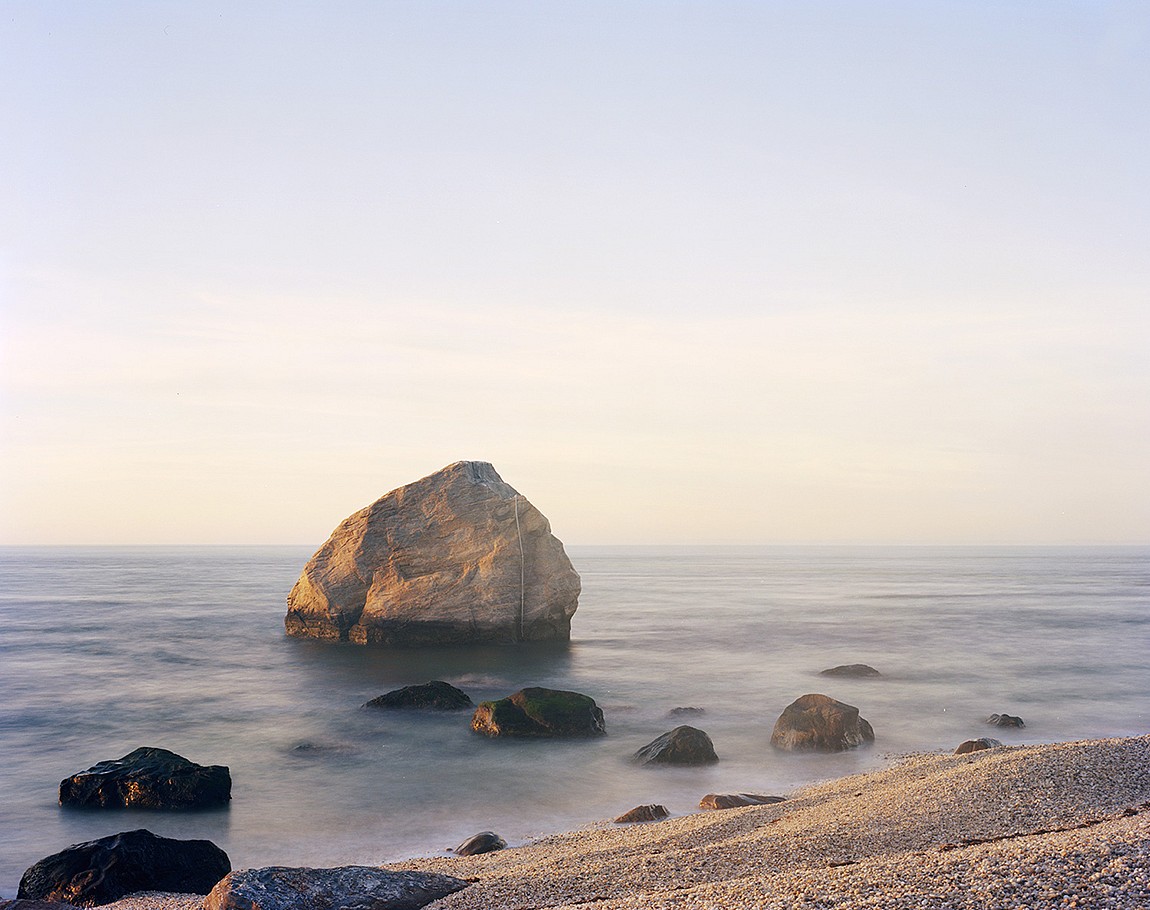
(1065,825)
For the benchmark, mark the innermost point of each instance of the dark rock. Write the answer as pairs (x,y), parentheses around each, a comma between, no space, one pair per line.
(539,712)
(682,746)
(1005,720)
(686,712)
(104,870)
(736,800)
(433,696)
(852,671)
(148,778)
(818,723)
(19,904)
(977,745)
(483,842)
(342,888)
(651,813)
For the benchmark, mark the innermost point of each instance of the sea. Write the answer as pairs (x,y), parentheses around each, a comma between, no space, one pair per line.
(105,649)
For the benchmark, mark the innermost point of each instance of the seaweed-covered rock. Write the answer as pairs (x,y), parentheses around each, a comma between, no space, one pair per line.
(977,745)
(652,813)
(736,800)
(341,888)
(536,711)
(852,671)
(682,746)
(148,778)
(433,696)
(483,842)
(1005,720)
(104,870)
(818,723)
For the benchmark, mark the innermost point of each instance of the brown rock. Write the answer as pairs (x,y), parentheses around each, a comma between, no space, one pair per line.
(818,723)
(736,800)
(454,558)
(682,746)
(1005,720)
(977,745)
(852,671)
(651,813)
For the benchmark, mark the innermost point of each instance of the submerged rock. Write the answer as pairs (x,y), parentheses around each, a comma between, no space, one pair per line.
(341,888)
(104,870)
(682,746)
(483,842)
(148,778)
(540,712)
(651,813)
(686,711)
(433,696)
(737,800)
(1005,720)
(818,723)
(977,745)
(852,671)
(455,558)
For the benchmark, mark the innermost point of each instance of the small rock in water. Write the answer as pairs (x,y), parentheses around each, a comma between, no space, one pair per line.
(686,711)
(342,888)
(818,723)
(483,842)
(852,671)
(737,800)
(651,813)
(148,778)
(1005,720)
(540,712)
(682,746)
(977,745)
(433,696)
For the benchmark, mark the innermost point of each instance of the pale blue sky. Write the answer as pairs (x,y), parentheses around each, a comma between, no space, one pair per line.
(684,272)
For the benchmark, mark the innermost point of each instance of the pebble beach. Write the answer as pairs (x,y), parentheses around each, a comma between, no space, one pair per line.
(1063,825)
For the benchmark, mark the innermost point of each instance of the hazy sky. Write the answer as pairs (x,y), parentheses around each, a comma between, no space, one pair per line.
(684,272)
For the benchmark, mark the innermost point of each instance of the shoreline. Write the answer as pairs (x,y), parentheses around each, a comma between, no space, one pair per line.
(1034,826)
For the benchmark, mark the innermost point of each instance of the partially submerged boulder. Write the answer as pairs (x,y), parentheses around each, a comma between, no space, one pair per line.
(651,813)
(455,558)
(104,870)
(737,800)
(818,723)
(1005,720)
(483,842)
(977,745)
(852,671)
(341,888)
(148,778)
(682,746)
(536,711)
(433,696)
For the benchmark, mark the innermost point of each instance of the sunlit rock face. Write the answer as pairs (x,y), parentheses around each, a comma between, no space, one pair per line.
(455,558)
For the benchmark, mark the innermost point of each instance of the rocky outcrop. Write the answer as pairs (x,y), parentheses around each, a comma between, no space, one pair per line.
(483,842)
(682,746)
(852,671)
(1005,720)
(342,888)
(736,800)
(977,745)
(455,558)
(433,696)
(540,712)
(652,813)
(104,870)
(818,723)
(148,778)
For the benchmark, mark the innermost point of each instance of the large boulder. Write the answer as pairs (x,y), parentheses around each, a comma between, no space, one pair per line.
(818,723)
(682,746)
(148,778)
(455,558)
(342,888)
(540,712)
(104,870)
(433,696)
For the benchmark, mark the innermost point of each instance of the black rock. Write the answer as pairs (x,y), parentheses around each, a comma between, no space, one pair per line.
(433,696)
(651,813)
(104,870)
(977,745)
(483,842)
(682,746)
(737,800)
(1005,720)
(19,904)
(852,671)
(540,712)
(342,888)
(148,778)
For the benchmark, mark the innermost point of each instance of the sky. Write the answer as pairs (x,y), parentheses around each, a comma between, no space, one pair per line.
(684,272)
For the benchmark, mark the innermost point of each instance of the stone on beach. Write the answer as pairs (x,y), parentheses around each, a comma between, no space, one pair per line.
(1005,720)
(455,558)
(682,746)
(148,778)
(104,870)
(852,671)
(483,842)
(433,696)
(737,800)
(819,723)
(341,888)
(539,712)
(649,813)
(977,745)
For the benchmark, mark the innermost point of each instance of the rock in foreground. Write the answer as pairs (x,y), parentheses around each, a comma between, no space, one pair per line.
(540,712)
(433,696)
(342,888)
(649,813)
(483,842)
(682,746)
(977,745)
(455,558)
(818,723)
(104,870)
(148,778)
(737,800)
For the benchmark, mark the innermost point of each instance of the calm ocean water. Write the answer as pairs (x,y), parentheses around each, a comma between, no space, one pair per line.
(106,649)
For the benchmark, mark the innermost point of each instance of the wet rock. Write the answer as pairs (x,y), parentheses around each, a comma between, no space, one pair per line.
(682,746)
(19,904)
(736,800)
(537,711)
(148,778)
(483,842)
(852,671)
(651,813)
(455,558)
(433,696)
(818,723)
(977,745)
(341,888)
(1005,720)
(104,870)
(686,711)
